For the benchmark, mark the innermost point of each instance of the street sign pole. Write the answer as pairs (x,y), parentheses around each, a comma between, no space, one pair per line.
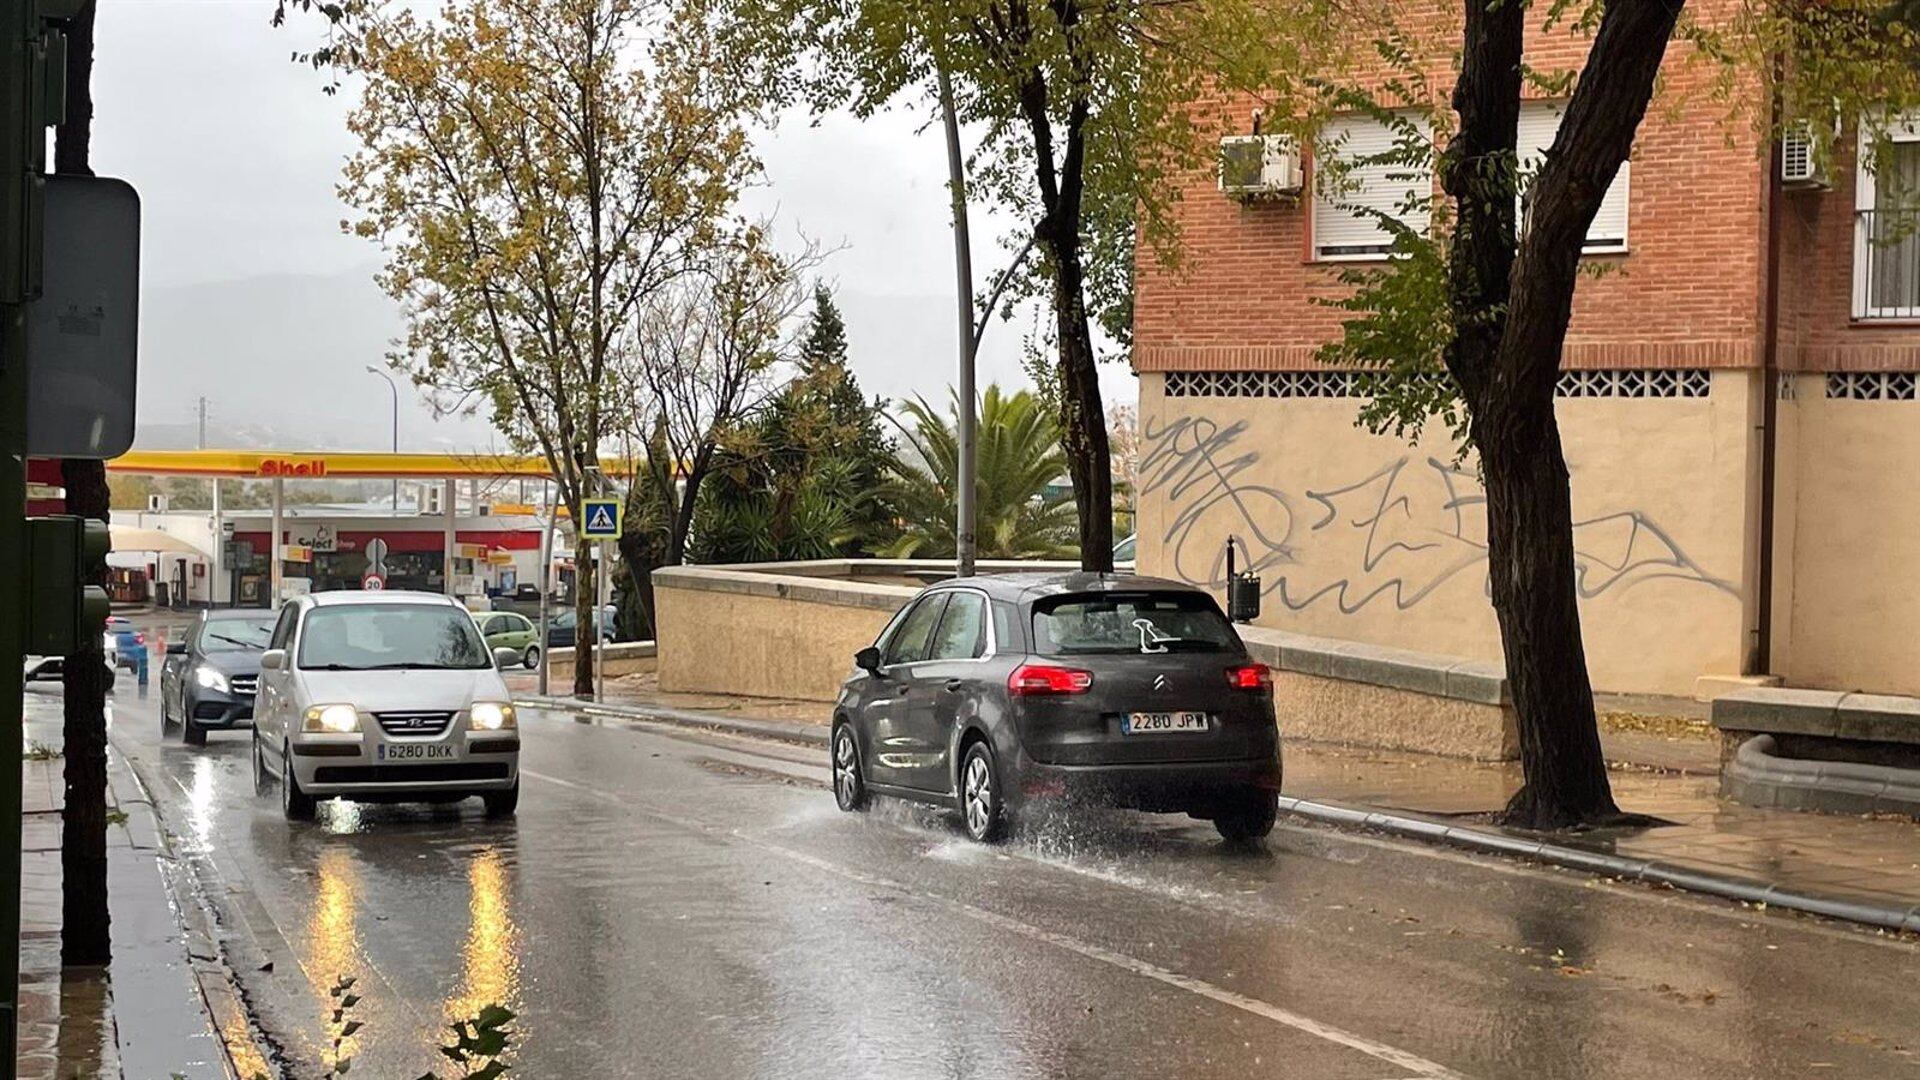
(600,577)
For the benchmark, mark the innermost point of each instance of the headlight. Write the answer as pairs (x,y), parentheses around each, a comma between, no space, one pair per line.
(490,716)
(338,718)
(210,679)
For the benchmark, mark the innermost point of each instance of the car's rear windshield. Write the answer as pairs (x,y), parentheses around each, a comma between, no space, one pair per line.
(372,637)
(237,633)
(1118,623)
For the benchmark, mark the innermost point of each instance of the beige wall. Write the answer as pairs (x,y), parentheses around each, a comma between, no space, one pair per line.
(1846,611)
(1366,538)
(761,646)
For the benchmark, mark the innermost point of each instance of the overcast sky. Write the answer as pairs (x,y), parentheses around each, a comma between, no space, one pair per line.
(253,298)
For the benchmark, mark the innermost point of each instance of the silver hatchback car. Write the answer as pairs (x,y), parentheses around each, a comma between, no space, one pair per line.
(383,697)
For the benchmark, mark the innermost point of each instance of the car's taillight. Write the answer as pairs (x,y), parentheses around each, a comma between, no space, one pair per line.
(1047,679)
(1250,677)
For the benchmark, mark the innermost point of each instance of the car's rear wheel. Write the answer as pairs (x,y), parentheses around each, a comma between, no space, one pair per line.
(980,802)
(1247,817)
(501,804)
(532,659)
(849,787)
(166,716)
(297,805)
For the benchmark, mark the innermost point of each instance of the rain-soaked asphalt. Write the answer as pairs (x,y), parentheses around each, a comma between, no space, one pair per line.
(668,905)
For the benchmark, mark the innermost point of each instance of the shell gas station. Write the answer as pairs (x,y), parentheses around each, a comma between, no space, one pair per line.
(477,526)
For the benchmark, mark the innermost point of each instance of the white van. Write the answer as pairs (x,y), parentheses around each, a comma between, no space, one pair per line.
(383,697)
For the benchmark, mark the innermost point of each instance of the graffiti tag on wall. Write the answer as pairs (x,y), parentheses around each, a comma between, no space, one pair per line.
(1394,535)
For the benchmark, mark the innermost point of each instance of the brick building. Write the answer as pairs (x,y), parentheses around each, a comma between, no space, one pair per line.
(1663,409)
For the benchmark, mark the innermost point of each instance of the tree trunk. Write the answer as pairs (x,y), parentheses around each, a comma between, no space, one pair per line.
(1082,413)
(1531,565)
(1510,392)
(84,920)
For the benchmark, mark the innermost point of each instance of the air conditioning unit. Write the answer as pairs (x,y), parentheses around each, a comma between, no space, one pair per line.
(1800,164)
(1252,166)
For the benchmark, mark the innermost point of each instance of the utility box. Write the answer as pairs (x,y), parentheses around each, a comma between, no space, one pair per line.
(63,612)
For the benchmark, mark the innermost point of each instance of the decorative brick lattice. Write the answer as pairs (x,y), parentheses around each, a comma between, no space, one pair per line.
(1613,383)
(1872,385)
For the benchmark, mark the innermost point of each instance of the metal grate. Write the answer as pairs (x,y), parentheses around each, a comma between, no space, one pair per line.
(421,724)
(1613,383)
(1872,385)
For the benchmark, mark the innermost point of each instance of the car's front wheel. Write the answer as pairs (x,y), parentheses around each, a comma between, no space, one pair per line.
(261,780)
(532,659)
(501,804)
(980,801)
(297,805)
(1248,817)
(192,733)
(849,787)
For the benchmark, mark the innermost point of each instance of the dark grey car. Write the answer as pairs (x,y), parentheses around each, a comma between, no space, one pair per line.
(208,680)
(987,693)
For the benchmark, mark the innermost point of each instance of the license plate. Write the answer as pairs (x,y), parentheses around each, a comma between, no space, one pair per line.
(1156,723)
(413,752)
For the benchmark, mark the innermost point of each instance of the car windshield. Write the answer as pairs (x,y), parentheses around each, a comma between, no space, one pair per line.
(1118,623)
(248,634)
(373,637)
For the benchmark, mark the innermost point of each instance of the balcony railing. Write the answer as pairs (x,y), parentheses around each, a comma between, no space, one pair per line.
(1887,264)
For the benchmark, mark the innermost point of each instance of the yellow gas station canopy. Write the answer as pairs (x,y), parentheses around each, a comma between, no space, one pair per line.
(342,465)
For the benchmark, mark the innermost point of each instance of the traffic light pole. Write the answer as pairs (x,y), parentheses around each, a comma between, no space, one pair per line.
(22,155)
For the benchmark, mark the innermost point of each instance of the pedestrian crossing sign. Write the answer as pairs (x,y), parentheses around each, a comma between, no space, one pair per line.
(600,519)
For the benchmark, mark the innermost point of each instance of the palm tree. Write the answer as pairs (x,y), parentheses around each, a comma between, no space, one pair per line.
(1019,459)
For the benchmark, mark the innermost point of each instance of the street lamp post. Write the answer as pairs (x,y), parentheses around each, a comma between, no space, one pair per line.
(395,388)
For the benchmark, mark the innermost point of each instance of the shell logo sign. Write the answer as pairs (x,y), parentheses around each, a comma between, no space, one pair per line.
(302,467)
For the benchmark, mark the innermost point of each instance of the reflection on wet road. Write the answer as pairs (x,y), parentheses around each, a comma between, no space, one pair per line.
(673,906)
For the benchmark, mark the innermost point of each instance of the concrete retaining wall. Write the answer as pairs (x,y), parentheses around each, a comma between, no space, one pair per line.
(1368,695)
(625,658)
(785,630)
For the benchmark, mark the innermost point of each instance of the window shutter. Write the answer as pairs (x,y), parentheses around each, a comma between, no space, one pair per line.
(1539,123)
(1341,226)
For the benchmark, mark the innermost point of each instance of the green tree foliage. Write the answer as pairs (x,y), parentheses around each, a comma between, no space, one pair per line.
(1085,110)
(1019,461)
(804,479)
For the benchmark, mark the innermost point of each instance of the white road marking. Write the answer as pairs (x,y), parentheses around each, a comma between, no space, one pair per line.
(1420,1067)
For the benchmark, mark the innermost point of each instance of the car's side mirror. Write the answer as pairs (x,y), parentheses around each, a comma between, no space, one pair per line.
(868,660)
(505,658)
(273,660)
(1243,597)
(178,648)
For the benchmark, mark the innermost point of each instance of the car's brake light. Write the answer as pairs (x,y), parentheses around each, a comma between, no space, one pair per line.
(1047,679)
(1250,677)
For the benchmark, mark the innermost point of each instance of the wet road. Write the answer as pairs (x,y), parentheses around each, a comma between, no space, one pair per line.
(668,905)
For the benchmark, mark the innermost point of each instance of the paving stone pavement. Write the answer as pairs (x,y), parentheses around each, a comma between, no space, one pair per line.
(71,1025)
(1672,777)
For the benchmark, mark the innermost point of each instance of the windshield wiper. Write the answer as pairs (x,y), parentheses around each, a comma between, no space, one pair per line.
(236,641)
(416,665)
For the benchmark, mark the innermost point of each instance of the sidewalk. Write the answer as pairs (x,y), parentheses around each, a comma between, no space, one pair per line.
(145,1014)
(1860,869)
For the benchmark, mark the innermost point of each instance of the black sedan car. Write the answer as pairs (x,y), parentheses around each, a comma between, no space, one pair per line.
(208,680)
(987,693)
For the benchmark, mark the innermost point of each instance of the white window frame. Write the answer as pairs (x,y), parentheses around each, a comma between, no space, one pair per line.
(1324,202)
(1901,129)
(1618,199)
